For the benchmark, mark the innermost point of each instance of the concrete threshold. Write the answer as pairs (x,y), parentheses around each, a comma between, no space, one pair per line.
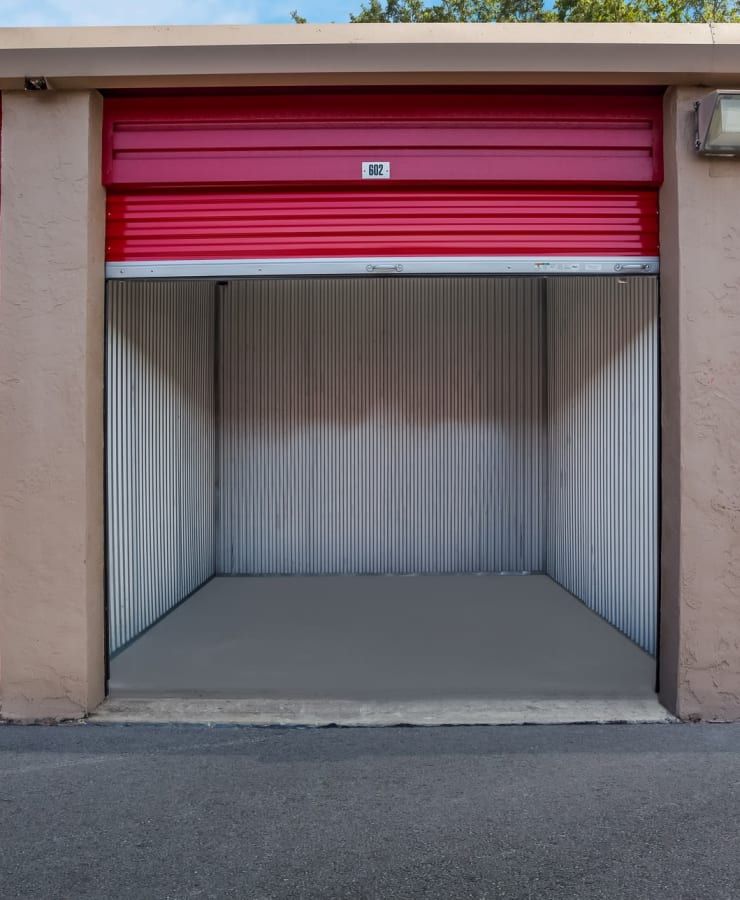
(355,713)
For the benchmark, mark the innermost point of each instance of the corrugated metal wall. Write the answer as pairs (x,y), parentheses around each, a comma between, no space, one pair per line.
(382,425)
(160,448)
(602,352)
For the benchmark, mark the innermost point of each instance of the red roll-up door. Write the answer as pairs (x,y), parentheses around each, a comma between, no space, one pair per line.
(481,176)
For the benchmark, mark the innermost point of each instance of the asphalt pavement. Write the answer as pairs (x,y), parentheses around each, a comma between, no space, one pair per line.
(543,813)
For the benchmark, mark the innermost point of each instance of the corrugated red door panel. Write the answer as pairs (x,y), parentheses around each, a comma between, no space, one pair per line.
(323,138)
(279,174)
(262,224)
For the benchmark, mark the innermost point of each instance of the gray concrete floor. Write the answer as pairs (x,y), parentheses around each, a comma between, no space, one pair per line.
(383,638)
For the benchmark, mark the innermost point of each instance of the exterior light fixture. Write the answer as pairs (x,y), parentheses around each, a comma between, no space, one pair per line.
(718,124)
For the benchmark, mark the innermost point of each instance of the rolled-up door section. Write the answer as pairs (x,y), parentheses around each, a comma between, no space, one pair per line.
(416,182)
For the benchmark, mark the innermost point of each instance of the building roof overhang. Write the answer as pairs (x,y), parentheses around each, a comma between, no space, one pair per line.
(248,55)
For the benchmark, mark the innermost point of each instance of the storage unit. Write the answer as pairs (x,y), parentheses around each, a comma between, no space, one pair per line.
(451,370)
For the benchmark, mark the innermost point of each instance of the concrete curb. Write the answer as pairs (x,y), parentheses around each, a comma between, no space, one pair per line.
(349,713)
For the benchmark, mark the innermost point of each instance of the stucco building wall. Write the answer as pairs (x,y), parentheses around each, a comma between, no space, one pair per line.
(700,301)
(51,326)
(51,406)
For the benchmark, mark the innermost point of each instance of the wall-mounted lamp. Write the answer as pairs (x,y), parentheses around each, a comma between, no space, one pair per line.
(36,83)
(718,124)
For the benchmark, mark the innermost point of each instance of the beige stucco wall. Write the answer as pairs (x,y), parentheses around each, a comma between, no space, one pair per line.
(51,406)
(700,288)
(51,413)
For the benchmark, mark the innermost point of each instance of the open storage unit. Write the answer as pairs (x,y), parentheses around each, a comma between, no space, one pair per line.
(430,426)
(450,372)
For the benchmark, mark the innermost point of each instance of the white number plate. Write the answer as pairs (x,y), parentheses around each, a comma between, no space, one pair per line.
(376,170)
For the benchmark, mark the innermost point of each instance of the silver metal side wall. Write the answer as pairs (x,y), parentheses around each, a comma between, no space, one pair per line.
(602,528)
(382,425)
(160,449)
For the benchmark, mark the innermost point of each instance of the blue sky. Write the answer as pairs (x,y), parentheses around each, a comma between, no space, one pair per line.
(169,12)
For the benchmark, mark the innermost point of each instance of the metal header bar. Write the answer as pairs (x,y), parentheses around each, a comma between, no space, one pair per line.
(416,265)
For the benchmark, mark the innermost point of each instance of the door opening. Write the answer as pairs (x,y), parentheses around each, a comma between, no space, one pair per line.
(280,448)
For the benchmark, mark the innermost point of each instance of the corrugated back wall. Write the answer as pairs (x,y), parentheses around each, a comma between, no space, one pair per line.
(602,530)
(160,449)
(382,425)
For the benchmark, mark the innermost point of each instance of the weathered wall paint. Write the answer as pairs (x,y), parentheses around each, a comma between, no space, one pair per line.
(51,406)
(700,237)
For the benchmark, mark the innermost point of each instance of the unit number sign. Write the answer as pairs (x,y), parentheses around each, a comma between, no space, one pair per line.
(376,170)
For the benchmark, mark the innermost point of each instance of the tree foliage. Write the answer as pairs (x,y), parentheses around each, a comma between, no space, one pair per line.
(452,11)
(542,11)
(647,11)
